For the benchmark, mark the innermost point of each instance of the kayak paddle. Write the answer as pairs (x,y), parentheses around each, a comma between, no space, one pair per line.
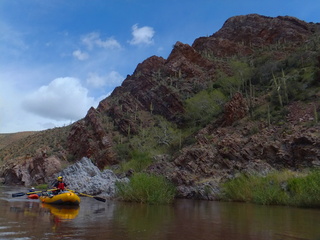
(86,195)
(28,193)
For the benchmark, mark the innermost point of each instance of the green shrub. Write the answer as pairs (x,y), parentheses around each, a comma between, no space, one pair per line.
(146,188)
(123,150)
(203,107)
(155,139)
(138,161)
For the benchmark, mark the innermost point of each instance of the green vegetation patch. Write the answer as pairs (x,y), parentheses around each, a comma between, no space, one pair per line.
(138,162)
(203,107)
(42,186)
(305,191)
(278,188)
(146,188)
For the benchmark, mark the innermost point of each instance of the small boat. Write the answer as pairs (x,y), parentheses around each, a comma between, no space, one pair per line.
(63,198)
(33,196)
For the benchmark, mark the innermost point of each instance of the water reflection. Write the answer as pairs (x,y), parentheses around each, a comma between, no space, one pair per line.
(221,220)
(58,216)
(142,221)
(62,212)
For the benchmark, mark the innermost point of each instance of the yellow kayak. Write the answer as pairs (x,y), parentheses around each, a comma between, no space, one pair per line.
(63,198)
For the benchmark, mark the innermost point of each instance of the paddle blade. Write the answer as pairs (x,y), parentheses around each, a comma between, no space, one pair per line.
(18,194)
(86,195)
(100,199)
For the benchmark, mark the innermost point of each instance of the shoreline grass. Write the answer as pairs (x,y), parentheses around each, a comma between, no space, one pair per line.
(146,188)
(277,188)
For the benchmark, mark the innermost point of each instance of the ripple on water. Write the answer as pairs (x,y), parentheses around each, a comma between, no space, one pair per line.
(23,238)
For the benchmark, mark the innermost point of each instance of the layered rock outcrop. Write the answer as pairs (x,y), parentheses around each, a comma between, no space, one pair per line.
(221,154)
(88,138)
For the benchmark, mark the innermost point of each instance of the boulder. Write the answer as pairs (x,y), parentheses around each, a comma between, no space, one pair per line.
(85,177)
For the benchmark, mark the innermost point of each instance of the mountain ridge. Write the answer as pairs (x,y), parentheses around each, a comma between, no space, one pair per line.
(245,99)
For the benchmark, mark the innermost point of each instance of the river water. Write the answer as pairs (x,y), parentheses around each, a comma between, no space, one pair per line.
(23,219)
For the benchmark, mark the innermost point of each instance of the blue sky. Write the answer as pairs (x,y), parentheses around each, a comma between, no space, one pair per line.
(60,57)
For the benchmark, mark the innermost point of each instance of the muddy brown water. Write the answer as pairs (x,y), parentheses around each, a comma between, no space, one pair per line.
(23,219)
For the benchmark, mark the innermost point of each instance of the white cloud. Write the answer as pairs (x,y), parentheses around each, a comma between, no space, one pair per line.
(111,79)
(143,35)
(80,55)
(90,39)
(63,99)
(15,119)
(109,43)
(93,39)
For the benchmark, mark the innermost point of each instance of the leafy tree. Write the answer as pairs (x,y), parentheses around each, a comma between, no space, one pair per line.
(204,106)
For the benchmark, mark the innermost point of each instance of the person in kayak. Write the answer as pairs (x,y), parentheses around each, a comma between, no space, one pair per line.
(60,185)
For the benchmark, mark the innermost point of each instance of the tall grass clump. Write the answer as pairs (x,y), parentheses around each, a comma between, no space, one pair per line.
(271,189)
(277,188)
(238,189)
(305,191)
(266,190)
(146,188)
(257,189)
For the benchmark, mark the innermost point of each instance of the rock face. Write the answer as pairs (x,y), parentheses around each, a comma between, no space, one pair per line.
(31,171)
(96,144)
(242,34)
(235,109)
(223,153)
(85,177)
(160,86)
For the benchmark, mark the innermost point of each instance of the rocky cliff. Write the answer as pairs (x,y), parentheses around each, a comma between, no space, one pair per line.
(245,99)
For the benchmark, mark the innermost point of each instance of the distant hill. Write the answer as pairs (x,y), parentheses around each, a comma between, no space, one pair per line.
(30,144)
(8,138)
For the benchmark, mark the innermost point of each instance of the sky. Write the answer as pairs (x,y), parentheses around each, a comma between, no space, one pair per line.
(58,58)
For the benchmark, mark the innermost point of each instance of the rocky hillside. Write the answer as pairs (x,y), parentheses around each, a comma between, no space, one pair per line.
(245,99)
(9,138)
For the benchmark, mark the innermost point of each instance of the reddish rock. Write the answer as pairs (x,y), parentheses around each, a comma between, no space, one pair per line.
(31,171)
(88,138)
(241,34)
(235,109)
